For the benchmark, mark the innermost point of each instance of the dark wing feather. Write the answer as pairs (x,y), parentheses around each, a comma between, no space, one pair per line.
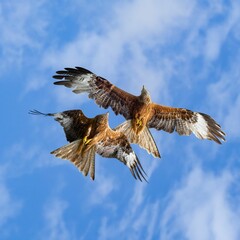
(185,122)
(101,90)
(74,123)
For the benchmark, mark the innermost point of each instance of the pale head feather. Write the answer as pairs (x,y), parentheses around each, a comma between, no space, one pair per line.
(145,96)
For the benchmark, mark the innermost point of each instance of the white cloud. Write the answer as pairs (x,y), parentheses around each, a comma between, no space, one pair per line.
(9,207)
(21,25)
(150,213)
(14,19)
(32,157)
(216,35)
(137,214)
(120,52)
(34,84)
(119,49)
(141,226)
(224,98)
(55,225)
(66,99)
(232,119)
(201,208)
(104,184)
(143,21)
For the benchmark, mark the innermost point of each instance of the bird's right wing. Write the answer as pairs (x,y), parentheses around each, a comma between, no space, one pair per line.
(101,90)
(116,145)
(185,122)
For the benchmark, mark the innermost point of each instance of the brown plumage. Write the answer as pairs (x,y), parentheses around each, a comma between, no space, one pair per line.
(140,112)
(90,135)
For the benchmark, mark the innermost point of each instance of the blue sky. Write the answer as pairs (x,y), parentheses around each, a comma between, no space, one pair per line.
(186,53)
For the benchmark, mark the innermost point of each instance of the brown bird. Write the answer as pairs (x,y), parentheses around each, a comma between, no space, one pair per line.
(140,112)
(88,136)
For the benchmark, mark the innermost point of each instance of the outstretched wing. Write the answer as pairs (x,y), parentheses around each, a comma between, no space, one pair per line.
(74,122)
(84,162)
(185,122)
(101,90)
(116,145)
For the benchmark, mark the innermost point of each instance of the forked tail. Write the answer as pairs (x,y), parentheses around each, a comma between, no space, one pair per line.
(84,161)
(144,139)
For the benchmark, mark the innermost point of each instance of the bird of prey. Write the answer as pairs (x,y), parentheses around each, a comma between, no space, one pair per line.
(139,111)
(88,136)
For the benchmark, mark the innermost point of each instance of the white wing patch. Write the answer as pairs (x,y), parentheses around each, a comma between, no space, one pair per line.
(130,159)
(82,83)
(200,128)
(134,165)
(206,128)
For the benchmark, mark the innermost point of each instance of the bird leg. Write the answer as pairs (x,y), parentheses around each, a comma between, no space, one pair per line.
(139,122)
(83,145)
(87,140)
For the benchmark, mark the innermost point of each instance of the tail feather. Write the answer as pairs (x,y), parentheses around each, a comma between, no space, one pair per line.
(88,160)
(84,162)
(144,139)
(68,151)
(36,112)
(92,167)
(91,157)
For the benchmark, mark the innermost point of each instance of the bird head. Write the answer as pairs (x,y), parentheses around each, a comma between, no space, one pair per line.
(145,96)
(103,118)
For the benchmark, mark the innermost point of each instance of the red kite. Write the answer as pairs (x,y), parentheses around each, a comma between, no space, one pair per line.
(88,136)
(140,112)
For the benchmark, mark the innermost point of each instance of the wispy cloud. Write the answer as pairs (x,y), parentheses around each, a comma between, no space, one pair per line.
(119,49)
(32,157)
(159,44)
(135,215)
(201,208)
(217,34)
(231,120)
(21,25)
(55,225)
(9,207)
(104,185)
(224,98)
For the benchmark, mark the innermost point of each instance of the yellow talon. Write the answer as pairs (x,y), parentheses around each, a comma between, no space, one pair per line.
(138,122)
(86,140)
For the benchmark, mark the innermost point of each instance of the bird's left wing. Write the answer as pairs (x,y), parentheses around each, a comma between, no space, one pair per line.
(101,90)
(185,122)
(84,162)
(119,147)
